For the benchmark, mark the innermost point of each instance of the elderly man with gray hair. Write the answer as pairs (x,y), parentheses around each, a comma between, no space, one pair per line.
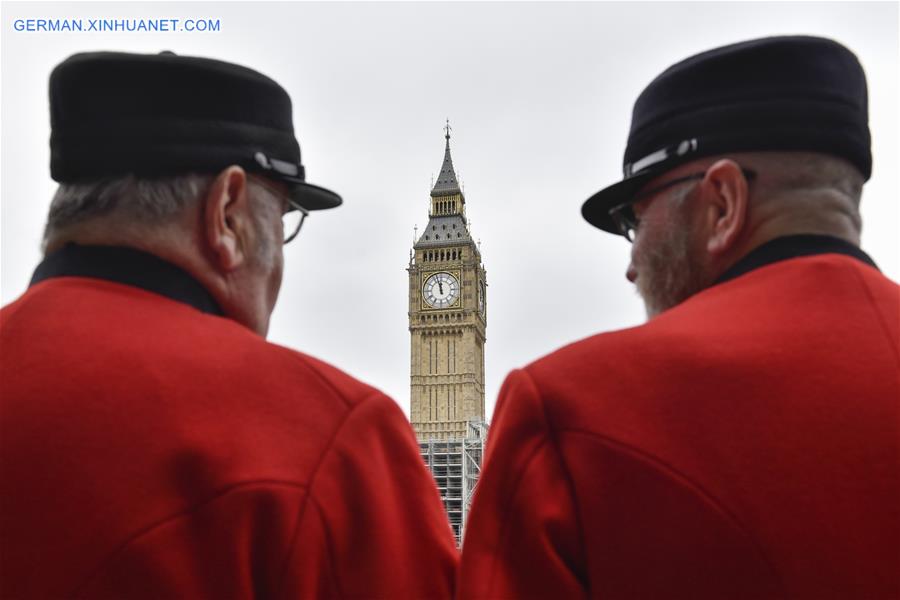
(154,444)
(743,443)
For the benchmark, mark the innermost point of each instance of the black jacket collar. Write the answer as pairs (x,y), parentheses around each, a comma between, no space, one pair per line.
(793,246)
(128,266)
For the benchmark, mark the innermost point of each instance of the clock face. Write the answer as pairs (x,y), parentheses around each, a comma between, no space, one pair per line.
(481,297)
(441,290)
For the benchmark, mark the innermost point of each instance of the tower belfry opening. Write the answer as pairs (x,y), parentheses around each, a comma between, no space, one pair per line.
(447,324)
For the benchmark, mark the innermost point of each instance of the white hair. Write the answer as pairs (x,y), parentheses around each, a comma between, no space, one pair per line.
(149,201)
(815,188)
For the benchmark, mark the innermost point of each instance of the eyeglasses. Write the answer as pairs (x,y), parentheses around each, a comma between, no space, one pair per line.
(293,220)
(293,217)
(627,221)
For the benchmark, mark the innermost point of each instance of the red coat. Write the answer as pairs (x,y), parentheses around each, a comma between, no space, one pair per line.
(741,445)
(149,450)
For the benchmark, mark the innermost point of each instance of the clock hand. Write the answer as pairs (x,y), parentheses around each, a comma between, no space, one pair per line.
(441,287)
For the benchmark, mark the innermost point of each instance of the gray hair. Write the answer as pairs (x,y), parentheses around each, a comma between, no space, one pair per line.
(149,201)
(802,171)
(816,187)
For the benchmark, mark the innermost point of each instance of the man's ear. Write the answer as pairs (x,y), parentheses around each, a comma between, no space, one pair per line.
(226,218)
(727,197)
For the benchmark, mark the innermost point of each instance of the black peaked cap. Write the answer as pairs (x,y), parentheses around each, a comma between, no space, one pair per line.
(794,93)
(114,113)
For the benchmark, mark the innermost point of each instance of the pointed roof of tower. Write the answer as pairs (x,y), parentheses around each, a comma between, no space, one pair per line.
(446,184)
(444,231)
(448,226)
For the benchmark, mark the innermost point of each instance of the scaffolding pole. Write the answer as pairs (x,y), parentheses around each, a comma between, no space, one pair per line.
(455,465)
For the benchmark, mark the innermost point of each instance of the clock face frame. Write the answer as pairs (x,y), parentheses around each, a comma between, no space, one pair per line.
(441,290)
(481,297)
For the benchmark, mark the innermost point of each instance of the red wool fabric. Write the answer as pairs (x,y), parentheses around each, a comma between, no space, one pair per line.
(744,444)
(149,450)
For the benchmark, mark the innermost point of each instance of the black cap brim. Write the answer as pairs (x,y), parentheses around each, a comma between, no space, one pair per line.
(595,209)
(313,197)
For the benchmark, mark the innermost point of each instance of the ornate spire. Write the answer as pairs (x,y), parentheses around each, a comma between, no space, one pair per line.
(446,184)
(447,207)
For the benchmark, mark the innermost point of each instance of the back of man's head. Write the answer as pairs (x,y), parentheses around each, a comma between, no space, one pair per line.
(191,159)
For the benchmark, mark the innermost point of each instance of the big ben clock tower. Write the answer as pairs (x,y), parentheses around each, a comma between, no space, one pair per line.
(447,316)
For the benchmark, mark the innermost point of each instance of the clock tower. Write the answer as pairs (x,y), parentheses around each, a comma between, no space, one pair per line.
(447,316)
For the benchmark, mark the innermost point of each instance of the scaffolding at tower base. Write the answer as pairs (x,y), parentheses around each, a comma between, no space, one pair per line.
(455,465)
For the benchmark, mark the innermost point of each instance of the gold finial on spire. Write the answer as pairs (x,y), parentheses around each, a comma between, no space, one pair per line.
(447,129)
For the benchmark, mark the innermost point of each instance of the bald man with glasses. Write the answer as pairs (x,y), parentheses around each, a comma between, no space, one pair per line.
(743,443)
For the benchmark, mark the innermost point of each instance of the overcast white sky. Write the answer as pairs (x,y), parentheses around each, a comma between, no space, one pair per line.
(539,96)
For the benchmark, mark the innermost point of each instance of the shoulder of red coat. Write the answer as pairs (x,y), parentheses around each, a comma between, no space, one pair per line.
(348,387)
